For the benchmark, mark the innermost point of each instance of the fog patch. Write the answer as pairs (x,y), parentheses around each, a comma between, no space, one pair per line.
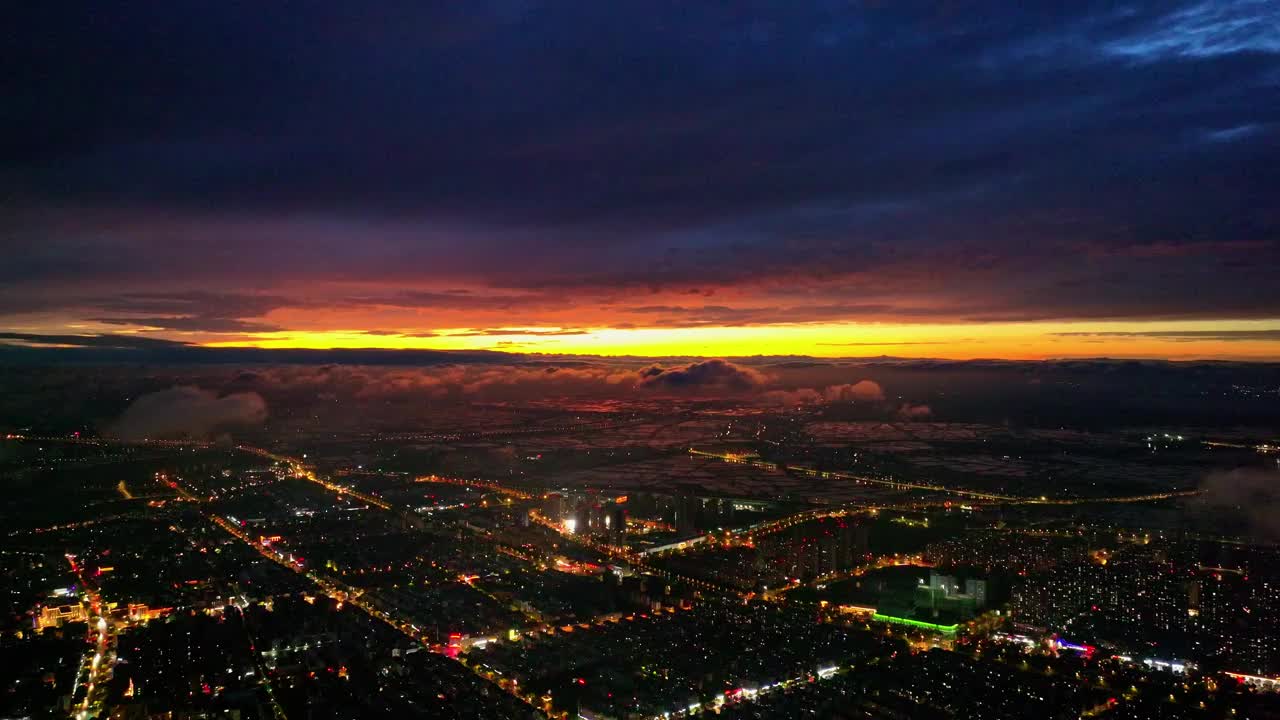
(187,412)
(1250,496)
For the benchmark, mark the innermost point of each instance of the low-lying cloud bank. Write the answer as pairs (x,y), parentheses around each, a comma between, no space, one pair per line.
(909,411)
(187,412)
(711,379)
(863,391)
(702,376)
(230,400)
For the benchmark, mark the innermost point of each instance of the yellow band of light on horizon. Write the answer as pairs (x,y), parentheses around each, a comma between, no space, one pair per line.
(959,341)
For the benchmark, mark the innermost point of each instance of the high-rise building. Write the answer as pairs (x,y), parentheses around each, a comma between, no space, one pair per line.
(976,589)
(721,513)
(581,517)
(862,540)
(643,505)
(688,508)
(553,507)
(615,521)
(946,584)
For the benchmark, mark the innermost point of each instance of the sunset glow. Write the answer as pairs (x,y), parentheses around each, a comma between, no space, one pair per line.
(837,182)
(1184,340)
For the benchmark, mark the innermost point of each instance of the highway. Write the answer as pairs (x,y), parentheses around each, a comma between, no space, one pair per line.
(882,562)
(331,587)
(300,471)
(485,484)
(634,559)
(990,498)
(100,658)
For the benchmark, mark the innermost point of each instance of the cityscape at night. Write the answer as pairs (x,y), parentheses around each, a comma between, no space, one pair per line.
(526,360)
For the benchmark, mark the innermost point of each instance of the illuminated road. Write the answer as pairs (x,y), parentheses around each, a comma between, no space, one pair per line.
(335,589)
(342,593)
(495,487)
(295,464)
(1261,448)
(883,562)
(992,498)
(743,695)
(300,471)
(747,535)
(636,560)
(105,442)
(100,659)
(277,711)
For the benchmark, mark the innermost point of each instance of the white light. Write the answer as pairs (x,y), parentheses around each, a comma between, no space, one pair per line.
(571,525)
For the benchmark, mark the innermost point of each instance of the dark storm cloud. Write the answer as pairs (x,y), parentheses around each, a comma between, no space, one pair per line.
(191,311)
(192,324)
(121,342)
(695,316)
(701,377)
(1034,160)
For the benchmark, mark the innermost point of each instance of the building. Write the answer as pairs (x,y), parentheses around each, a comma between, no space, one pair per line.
(615,521)
(553,507)
(56,615)
(688,509)
(976,589)
(942,597)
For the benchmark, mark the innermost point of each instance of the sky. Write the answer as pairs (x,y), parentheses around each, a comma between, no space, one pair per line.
(653,177)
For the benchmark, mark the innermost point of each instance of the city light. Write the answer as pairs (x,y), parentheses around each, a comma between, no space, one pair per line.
(932,627)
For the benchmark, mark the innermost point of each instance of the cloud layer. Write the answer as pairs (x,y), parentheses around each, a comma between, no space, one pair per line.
(704,376)
(187,412)
(558,166)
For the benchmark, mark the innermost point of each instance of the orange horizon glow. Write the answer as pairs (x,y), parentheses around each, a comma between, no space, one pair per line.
(1014,341)
(593,334)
